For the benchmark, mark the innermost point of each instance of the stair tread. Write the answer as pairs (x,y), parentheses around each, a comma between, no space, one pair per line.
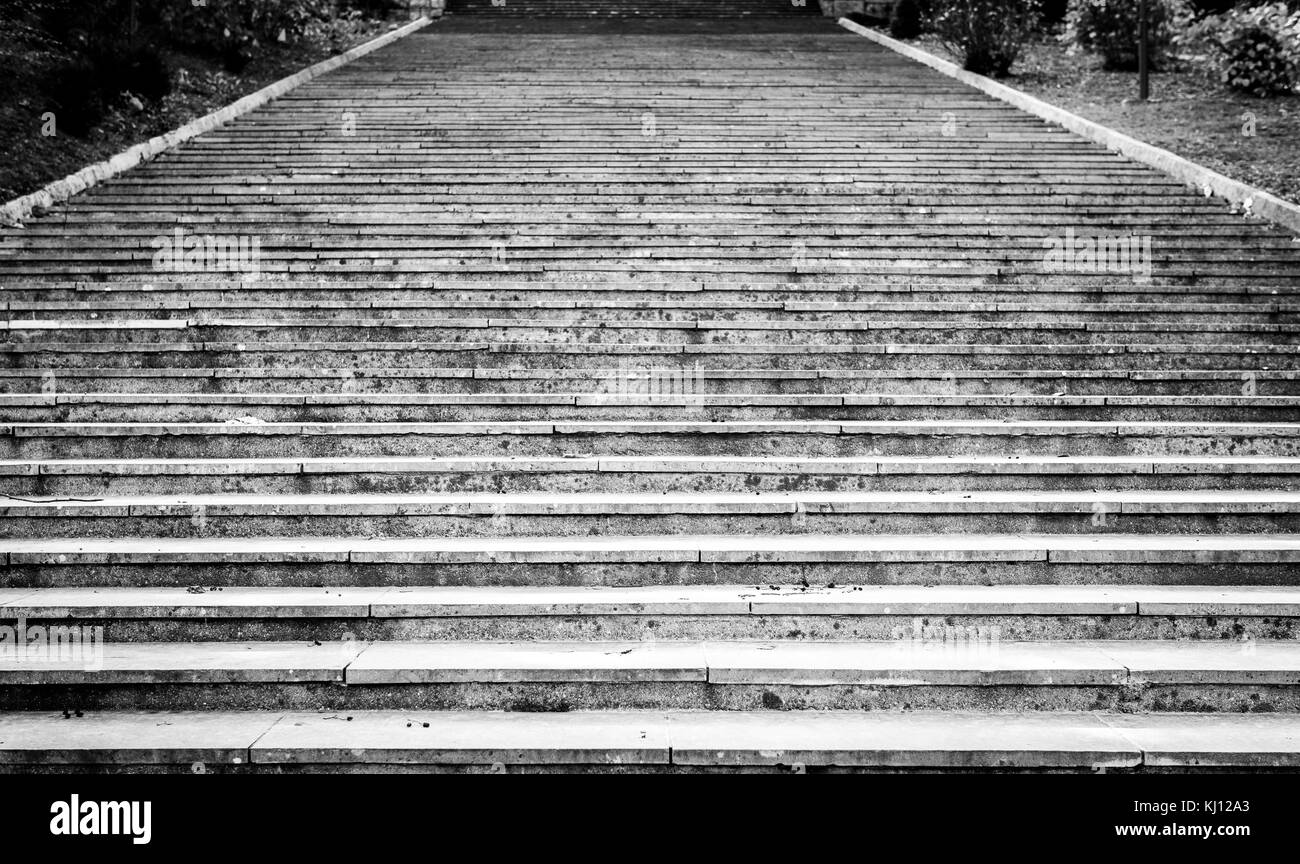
(914,738)
(675,463)
(594,503)
(1060,548)
(896,663)
(256,426)
(451,601)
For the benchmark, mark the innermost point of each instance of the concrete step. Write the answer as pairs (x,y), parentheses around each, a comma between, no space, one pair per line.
(470,407)
(1094,558)
(366,289)
(593,309)
(245,438)
(936,614)
(587,514)
(633,8)
(900,479)
(931,356)
(1149,675)
(656,380)
(184,741)
(542,333)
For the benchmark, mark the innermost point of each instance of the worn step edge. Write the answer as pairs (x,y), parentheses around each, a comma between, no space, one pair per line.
(718,549)
(589,464)
(979,660)
(253,426)
(662,600)
(961,740)
(1116,503)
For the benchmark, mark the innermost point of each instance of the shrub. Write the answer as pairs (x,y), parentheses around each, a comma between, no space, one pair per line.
(986,34)
(83,87)
(80,57)
(905,22)
(233,29)
(1110,28)
(1254,50)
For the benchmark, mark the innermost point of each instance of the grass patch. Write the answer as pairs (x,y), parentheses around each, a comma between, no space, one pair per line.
(1189,113)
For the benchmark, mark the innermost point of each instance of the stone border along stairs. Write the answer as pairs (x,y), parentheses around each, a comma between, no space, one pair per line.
(1252,200)
(536,443)
(15,212)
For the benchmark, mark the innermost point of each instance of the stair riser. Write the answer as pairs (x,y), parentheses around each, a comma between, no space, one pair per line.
(22,575)
(491,482)
(560,697)
(595,312)
(202,525)
(651,628)
(752,268)
(1251,300)
(1111,356)
(379,766)
(749,267)
(1118,385)
(258,446)
(541,337)
(181,413)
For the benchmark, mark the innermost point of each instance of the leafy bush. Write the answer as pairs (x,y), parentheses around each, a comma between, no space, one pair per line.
(905,22)
(1110,28)
(986,34)
(233,29)
(79,57)
(1254,50)
(85,86)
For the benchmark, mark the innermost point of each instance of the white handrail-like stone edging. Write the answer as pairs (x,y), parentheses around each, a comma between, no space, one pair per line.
(1254,201)
(15,211)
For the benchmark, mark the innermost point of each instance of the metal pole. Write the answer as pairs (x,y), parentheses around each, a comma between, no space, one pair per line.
(1144,86)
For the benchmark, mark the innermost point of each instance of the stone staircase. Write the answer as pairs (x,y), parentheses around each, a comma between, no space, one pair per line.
(672,396)
(731,9)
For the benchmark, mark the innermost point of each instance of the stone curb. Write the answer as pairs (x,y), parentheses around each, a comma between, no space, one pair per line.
(1254,201)
(15,211)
